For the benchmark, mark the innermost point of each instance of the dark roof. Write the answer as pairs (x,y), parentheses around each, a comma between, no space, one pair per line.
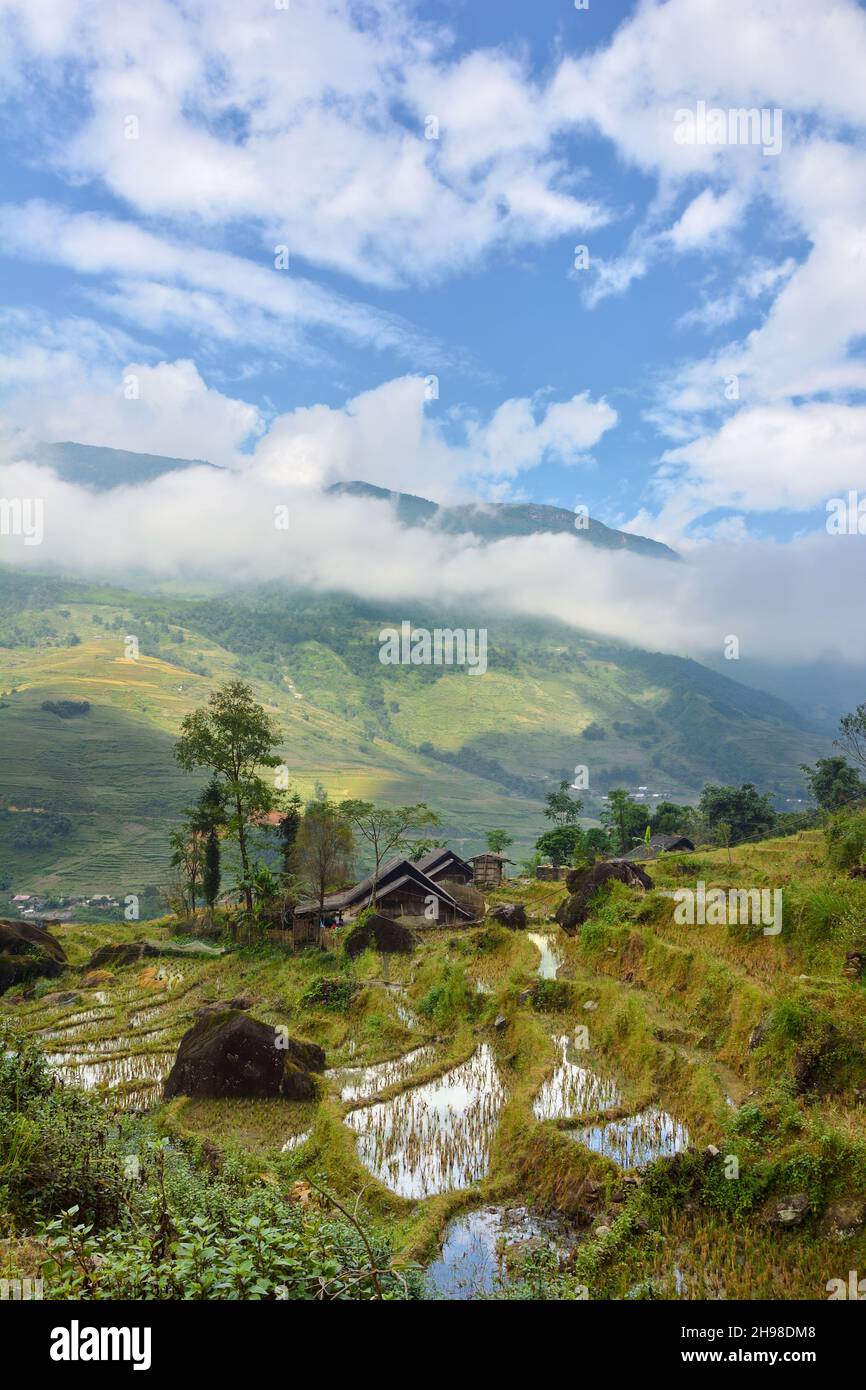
(658,844)
(437,858)
(395,872)
(491,854)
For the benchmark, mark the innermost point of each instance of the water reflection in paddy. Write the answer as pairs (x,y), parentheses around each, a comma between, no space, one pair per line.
(637,1139)
(295,1141)
(551,957)
(360,1083)
(573,1089)
(434,1137)
(472,1260)
(80,1050)
(147,1068)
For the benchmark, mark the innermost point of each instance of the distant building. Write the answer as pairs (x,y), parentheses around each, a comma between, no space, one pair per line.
(659,844)
(551,873)
(444,866)
(488,869)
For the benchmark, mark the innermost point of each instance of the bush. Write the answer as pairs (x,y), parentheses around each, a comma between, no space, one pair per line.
(57,1146)
(66,709)
(448,1000)
(846,840)
(124,1214)
(553,996)
(331,991)
(190,1236)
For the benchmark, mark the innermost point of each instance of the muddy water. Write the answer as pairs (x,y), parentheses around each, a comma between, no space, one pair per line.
(435,1137)
(360,1083)
(472,1260)
(573,1089)
(637,1139)
(551,956)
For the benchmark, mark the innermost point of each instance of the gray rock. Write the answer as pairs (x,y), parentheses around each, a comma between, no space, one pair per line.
(231,1054)
(510,915)
(843,1219)
(787,1211)
(26,952)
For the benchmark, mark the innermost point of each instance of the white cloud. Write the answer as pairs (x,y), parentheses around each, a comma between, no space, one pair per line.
(308,123)
(766,459)
(69,379)
(759,280)
(201,526)
(159,282)
(386,437)
(706,220)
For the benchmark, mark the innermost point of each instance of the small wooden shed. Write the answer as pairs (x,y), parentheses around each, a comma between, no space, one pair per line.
(488,869)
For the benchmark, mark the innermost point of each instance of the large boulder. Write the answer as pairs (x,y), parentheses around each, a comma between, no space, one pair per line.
(583,884)
(384,933)
(230,1054)
(132,952)
(126,953)
(510,915)
(27,952)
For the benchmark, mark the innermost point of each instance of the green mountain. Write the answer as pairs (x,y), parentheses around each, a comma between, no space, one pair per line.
(86,801)
(495,521)
(103,469)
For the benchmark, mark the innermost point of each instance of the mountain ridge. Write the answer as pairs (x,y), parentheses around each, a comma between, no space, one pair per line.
(497,520)
(102,468)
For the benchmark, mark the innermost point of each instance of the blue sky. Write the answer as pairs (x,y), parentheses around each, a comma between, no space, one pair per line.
(155,157)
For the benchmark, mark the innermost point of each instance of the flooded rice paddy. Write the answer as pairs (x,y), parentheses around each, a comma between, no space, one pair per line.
(637,1139)
(360,1083)
(573,1089)
(295,1141)
(435,1137)
(474,1257)
(551,955)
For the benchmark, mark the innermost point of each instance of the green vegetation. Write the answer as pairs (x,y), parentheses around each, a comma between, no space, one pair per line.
(755,1043)
(363,730)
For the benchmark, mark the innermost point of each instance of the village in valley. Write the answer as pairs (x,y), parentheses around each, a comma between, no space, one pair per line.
(484,1055)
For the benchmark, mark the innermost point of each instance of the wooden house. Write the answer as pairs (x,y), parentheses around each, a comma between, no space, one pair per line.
(402,890)
(659,844)
(488,869)
(444,866)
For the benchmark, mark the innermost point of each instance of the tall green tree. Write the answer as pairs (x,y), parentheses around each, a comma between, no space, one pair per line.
(235,738)
(498,841)
(669,819)
(387,829)
(852,734)
(625,818)
(561,807)
(210,819)
(187,855)
(287,830)
(834,783)
(324,848)
(748,813)
(561,844)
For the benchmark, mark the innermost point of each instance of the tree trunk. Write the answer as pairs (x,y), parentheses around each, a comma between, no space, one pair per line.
(375,885)
(242,846)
